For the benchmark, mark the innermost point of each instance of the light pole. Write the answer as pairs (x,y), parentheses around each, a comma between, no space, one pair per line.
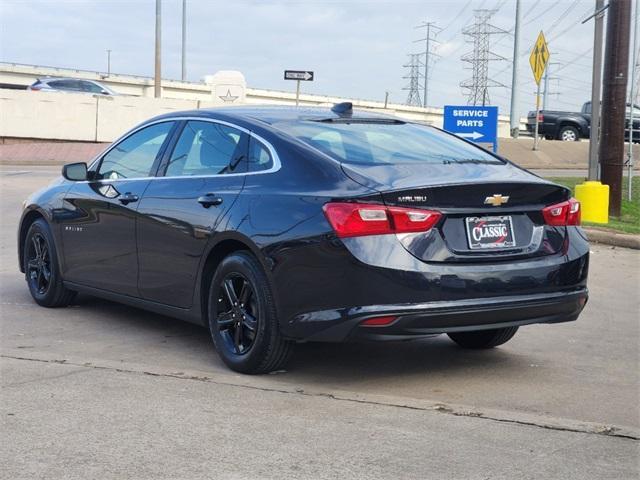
(514,119)
(157,90)
(184,40)
(108,62)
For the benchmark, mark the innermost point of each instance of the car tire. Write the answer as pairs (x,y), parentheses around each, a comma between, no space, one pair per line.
(242,317)
(569,134)
(483,338)
(42,271)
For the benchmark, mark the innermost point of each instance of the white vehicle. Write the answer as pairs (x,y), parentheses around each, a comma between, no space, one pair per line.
(70,85)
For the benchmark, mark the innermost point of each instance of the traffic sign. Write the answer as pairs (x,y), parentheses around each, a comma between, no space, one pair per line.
(478,124)
(303,75)
(539,57)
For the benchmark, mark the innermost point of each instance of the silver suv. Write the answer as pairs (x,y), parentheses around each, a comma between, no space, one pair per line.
(70,85)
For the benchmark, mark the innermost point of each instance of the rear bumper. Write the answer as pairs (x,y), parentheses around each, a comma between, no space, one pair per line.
(420,319)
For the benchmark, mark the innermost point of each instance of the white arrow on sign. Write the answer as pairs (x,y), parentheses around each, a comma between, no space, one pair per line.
(471,135)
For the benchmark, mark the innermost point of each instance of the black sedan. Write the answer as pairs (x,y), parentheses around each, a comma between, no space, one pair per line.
(272,226)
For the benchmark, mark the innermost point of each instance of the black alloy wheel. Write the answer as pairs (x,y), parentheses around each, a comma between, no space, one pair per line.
(237,313)
(38,264)
(41,267)
(242,316)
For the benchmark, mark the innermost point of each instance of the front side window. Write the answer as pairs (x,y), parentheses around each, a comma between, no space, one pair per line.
(259,156)
(65,84)
(376,142)
(134,156)
(205,148)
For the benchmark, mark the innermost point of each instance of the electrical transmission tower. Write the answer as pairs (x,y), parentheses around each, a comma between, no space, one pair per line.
(429,41)
(477,87)
(413,98)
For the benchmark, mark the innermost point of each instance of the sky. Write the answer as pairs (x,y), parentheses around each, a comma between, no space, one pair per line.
(357,48)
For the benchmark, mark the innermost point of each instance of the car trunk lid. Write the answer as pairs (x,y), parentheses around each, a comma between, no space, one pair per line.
(476,200)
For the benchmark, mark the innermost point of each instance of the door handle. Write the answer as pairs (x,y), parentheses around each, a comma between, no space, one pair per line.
(128,198)
(209,199)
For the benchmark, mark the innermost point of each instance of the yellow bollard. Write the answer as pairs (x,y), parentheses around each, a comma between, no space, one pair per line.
(594,201)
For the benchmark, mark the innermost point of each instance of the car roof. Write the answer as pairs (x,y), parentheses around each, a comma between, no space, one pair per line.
(51,79)
(279,113)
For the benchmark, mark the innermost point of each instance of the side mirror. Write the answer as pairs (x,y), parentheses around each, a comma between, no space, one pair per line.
(75,172)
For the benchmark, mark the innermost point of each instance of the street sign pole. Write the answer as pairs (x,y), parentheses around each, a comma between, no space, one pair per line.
(535,135)
(298,76)
(538,60)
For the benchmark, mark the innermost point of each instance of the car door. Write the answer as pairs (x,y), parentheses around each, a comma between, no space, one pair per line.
(180,211)
(99,226)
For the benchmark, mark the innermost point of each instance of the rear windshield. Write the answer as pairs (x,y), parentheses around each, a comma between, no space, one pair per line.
(385,143)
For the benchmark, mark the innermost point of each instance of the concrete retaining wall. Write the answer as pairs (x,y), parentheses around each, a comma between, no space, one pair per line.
(80,117)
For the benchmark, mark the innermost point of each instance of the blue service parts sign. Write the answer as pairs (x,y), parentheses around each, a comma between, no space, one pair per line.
(478,124)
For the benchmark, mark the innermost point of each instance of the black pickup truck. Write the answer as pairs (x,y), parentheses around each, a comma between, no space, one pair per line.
(572,126)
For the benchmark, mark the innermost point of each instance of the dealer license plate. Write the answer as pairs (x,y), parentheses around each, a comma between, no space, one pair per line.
(490,232)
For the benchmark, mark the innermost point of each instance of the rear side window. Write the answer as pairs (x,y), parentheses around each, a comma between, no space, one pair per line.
(386,142)
(205,148)
(259,156)
(90,87)
(134,156)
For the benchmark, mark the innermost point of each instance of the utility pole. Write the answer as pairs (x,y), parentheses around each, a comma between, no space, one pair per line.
(157,89)
(108,62)
(596,84)
(184,40)
(427,57)
(514,116)
(386,98)
(546,90)
(614,99)
(546,87)
(632,95)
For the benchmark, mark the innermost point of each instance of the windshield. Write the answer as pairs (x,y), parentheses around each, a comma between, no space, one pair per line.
(362,142)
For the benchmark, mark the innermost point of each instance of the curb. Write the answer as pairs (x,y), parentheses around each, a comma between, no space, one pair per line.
(612,238)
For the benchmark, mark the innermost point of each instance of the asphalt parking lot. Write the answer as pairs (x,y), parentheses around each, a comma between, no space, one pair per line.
(101,390)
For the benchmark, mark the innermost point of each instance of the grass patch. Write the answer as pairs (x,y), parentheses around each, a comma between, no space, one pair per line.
(629,221)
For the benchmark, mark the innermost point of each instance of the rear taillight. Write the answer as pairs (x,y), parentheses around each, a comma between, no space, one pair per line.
(358,219)
(540,118)
(35,88)
(561,214)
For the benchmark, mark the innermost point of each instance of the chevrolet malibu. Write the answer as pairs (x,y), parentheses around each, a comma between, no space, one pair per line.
(274,226)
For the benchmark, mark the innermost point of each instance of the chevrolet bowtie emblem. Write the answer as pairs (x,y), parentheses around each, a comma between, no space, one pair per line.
(496,200)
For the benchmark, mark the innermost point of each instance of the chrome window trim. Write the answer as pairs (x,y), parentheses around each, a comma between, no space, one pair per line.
(272,151)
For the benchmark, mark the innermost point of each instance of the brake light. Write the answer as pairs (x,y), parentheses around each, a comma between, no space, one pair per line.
(358,219)
(561,214)
(540,118)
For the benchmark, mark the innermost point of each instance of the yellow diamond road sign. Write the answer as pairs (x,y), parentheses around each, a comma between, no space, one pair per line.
(539,57)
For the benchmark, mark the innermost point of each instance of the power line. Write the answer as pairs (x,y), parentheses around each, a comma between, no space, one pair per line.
(457,15)
(531,9)
(574,24)
(562,16)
